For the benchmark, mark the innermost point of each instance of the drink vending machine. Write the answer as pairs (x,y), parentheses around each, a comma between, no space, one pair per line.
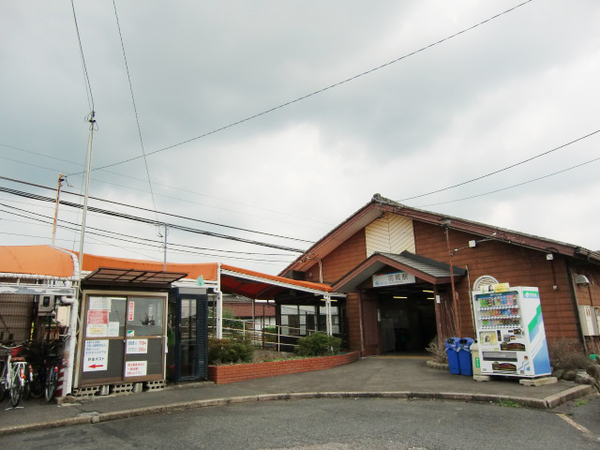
(510,332)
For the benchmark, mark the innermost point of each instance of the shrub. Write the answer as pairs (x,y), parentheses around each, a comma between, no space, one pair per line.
(438,351)
(565,355)
(233,350)
(318,344)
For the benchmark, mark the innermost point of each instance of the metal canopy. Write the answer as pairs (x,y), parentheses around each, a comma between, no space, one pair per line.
(105,276)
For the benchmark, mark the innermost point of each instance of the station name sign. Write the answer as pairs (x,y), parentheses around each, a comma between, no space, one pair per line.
(392,279)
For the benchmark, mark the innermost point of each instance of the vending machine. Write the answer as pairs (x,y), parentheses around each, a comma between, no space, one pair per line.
(510,332)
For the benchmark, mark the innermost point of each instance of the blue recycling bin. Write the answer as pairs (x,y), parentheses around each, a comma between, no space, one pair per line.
(452,354)
(464,356)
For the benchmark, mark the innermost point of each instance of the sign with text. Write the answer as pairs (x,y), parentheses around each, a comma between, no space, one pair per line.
(392,279)
(131,311)
(95,355)
(137,346)
(136,368)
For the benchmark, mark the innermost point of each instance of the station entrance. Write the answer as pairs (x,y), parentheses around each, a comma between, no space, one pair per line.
(407,318)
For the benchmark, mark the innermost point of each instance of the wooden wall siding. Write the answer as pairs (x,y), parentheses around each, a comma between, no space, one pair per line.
(390,234)
(370,326)
(590,294)
(507,263)
(339,262)
(353,317)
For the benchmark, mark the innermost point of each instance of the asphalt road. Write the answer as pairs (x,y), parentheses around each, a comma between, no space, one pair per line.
(336,424)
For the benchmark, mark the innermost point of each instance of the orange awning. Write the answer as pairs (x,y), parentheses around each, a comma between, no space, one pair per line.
(36,260)
(49,261)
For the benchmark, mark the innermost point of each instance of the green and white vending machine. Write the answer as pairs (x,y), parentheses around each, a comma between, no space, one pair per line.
(510,331)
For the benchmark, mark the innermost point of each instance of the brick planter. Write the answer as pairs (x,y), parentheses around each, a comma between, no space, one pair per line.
(242,372)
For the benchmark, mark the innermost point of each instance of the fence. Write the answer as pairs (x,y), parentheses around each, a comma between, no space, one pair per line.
(275,337)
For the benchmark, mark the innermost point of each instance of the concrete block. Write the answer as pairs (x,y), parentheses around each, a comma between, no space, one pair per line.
(538,381)
(482,378)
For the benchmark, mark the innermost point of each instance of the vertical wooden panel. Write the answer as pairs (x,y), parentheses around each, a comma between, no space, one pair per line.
(390,234)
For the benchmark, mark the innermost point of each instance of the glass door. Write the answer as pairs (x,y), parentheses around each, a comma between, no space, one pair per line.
(187,338)
(188,317)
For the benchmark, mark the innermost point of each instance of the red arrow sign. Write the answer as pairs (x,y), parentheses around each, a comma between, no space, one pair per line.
(95,366)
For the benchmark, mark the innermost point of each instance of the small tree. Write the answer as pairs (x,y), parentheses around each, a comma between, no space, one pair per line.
(318,344)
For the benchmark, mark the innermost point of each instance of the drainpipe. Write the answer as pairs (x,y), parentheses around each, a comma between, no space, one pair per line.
(576,305)
(69,373)
(219,314)
(320,270)
(454,297)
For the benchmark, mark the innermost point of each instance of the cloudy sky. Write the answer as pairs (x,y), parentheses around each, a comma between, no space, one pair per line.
(233,136)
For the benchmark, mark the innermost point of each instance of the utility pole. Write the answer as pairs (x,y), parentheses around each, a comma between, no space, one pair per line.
(61,178)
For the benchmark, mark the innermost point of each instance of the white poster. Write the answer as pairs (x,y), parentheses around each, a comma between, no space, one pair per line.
(95,355)
(137,346)
(113,329)
(100,303)
(135,368)
(96,330)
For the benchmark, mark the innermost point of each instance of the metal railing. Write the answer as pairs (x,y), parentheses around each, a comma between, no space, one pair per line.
(284,338)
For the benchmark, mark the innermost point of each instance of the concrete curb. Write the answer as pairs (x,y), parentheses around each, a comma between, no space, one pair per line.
(544,403)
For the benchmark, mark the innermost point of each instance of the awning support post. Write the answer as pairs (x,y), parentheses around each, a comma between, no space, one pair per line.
(219,313)
(328,314)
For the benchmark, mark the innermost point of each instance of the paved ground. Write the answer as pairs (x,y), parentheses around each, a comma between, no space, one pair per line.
(375,376)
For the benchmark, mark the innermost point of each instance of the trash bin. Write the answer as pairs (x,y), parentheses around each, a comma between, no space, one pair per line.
(464,356)
(452,354)
(476,358)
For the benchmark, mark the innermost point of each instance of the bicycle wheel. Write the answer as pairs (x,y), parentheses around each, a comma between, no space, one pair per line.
(16,388)
(37,388)
(51,383)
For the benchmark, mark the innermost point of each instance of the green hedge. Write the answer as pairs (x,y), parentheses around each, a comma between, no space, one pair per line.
(318,344)
(227,351)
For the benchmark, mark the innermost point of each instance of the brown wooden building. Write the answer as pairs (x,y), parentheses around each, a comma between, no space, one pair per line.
(408,276)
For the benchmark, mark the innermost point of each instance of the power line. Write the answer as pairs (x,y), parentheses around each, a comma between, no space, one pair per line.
(178,216)
(43,216)
(169,187)
(512,186)
(152,222)
(503,169)
(88,86)
(181,248)
(339,83)
(137,119)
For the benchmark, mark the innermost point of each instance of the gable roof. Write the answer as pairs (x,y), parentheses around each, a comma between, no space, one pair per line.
(379,205)
(429,270)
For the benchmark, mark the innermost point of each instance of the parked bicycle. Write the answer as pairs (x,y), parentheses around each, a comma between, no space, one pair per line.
(45,359)
(12,378)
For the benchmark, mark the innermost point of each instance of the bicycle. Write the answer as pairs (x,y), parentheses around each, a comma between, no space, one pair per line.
(12,377)
(45,358)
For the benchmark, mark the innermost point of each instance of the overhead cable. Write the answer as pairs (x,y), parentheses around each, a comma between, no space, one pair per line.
(513,186)
(178,216)
(503,169)
(151,221)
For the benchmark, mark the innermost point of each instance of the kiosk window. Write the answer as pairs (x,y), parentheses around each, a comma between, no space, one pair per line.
(145,316)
